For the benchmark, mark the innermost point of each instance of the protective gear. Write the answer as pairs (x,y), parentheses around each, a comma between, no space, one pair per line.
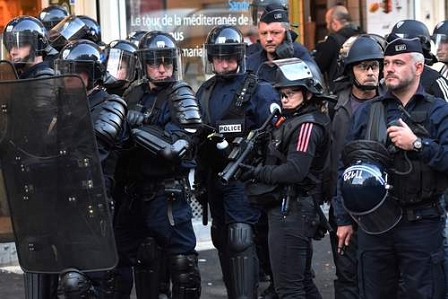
(57,175)
(7,71)
(366,197)
(121,61)
(440,36)
(249,172)
(93,30)
(82,56)
(243,261)
(411,29)
(136,118)
(108,118)
(69,29)
(184,106)
(75,284)
(157,142)
(53,14)
(293,72)
(25,31)
(146,271)
(224,42)
(257,7)
(158,48)
(185,276)
(363,48)
(286,48)
(135,36)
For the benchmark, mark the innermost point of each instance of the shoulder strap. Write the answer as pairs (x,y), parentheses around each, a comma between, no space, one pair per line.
(242,96)
(205,98)
(376,125)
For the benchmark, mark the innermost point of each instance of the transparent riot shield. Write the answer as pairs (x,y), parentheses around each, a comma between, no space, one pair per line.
(53,177)
(7,72)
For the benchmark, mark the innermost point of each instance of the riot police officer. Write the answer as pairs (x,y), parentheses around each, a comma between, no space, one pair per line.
(294,163)
(108,113)
(232,102)
(433,82)
(25,39)
(120,60)
(395,200)
(440,39)
(153,226)
(52,14)
(362,65)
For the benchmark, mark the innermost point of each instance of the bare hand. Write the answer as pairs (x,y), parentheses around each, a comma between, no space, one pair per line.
(344,235)
(402,136)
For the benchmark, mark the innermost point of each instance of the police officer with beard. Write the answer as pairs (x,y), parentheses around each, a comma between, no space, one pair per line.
(396,199)
(232,102)
(153,225)
(294,163)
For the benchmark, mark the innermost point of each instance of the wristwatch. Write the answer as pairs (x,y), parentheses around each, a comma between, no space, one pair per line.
(417,145)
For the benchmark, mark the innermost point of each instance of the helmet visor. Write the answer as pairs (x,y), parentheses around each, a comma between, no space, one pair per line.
(121,65)
(71,28)
(441,47)
(21,46)
(161,65)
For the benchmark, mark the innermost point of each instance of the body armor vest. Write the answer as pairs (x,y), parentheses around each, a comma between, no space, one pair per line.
(413,181)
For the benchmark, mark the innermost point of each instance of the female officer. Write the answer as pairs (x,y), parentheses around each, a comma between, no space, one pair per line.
(296,157)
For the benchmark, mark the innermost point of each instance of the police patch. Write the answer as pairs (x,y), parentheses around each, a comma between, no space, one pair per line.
(230,128)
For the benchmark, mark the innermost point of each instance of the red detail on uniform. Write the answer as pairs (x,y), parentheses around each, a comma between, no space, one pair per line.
(280,120)
(304,137)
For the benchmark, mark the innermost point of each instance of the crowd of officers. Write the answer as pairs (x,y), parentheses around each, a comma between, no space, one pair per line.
(361,123)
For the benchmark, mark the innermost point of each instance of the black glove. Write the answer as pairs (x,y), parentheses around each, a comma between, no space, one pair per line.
(135,118)
(286,48)
(249,172)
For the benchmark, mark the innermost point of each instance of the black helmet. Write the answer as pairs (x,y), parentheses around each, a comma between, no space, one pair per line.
(293,72)
(93,30)
(412,29)
(69,29)
(156,48)
(25,31)
(136,36)
(81,56)
(362,49)
(120,61)
(257,7)
(53,14)
(440,37)
(365,194)
(225,41)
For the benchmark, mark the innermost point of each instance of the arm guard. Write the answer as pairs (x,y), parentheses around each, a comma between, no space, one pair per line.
(184,106)
(109,119)
(158,142)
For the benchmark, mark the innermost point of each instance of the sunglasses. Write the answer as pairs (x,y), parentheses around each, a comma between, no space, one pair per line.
(365,66)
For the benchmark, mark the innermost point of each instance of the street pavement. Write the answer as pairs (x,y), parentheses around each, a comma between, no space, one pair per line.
(11,279)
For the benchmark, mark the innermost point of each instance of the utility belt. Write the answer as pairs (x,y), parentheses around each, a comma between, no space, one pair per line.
(148,190)
(426,210)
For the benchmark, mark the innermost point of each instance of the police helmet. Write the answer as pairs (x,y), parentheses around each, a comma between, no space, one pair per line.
(71,28)
(120,61)
(412,29)
(93,30)
(257,7)
(440,38)
(25,31)
(225,41)
(53,14)
(362,49)
(81,56)
(294,72)
(136,36)
(157,48)
(365,194)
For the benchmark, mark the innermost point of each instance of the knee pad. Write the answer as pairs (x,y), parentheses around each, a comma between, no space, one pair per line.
(241,236)
(185,276)
(75,284)
(149,252)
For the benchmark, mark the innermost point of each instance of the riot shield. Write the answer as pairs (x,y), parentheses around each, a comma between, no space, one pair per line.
(53,177)
(7,72)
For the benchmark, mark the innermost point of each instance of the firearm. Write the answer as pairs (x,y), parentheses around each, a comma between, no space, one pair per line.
(244,147)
